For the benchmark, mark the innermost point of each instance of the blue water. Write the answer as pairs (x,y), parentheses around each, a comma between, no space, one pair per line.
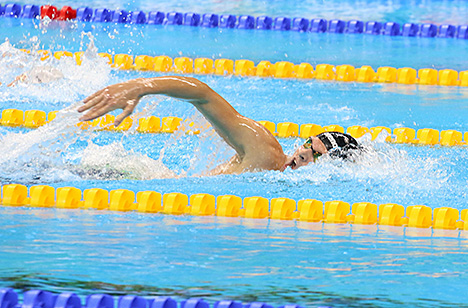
(248,260)
(314,48)
(272,261)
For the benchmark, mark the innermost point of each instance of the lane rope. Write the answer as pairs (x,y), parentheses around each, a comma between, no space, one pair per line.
(248,22)
(308,210)
(266,69)
(152,124)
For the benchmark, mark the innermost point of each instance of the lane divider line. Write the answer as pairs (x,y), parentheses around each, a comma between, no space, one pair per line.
(247,22)
(42,298)
(151,124)
(310,210)
(282,69)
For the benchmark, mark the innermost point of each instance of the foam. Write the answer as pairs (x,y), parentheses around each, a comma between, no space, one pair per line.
(49,154)
(78,80)
(380,162)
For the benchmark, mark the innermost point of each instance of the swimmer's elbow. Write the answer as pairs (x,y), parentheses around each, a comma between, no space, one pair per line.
(188,88)
(202,92)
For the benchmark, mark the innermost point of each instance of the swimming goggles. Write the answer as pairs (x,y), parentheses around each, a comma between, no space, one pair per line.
(308,144)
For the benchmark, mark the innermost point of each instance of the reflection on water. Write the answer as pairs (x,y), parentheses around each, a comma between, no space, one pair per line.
(240,259)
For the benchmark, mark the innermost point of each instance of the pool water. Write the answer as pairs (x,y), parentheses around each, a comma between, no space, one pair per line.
(216,43)
(277,262)
(230,258)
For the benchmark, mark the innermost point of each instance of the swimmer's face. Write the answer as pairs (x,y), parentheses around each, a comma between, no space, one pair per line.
(302,157)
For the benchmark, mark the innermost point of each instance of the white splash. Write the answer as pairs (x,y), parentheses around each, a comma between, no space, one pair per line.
(380,162)
(114,162)
(76,80)
(48,154)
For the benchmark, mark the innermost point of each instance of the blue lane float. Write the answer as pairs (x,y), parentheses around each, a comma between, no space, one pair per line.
(119,16)
(410,29)
(137,17)
(12,10)
(282,24)
(300,24)
(84,14)
(336,26)
(191,19)
(31,11)
(318,25)
(355,26)
(156,18)
(447,31)
(248,22)
(174,18)
(391,29)
(428,30)
(210,20)
(264,22)
(46,299)
(373,27)
(227,21)
(102,15)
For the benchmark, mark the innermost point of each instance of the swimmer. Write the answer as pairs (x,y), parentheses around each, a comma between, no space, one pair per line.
(256,148)
(38,74)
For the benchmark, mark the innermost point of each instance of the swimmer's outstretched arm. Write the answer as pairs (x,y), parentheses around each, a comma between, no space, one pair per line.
(247,137)
(19,78)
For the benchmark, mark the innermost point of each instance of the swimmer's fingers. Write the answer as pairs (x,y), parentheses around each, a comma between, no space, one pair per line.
(91,104)
(125,113)
(97,111)
(92,100)
(96,94)
(107,105)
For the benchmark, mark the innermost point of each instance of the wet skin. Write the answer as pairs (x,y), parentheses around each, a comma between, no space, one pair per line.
(256,148)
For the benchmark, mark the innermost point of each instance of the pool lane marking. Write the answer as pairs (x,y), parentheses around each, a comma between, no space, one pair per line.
(282,69)
(152,124)
(247,22)
(306,210)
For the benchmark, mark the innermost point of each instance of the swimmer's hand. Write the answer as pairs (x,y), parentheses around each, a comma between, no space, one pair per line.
(125,95)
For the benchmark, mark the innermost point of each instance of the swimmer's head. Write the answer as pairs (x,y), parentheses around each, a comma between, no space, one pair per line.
(304,155)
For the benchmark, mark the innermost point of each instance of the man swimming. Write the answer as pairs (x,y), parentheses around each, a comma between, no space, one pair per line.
(256,148)
(38,74)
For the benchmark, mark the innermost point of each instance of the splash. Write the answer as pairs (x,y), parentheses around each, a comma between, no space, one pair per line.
(114,162)
(201,154)
(72,83)
(50,153)
(56,152)
(379,162)
(34,156)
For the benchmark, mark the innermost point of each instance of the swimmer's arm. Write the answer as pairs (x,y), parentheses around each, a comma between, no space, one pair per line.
(126,95)
(243,134)
(19,78)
